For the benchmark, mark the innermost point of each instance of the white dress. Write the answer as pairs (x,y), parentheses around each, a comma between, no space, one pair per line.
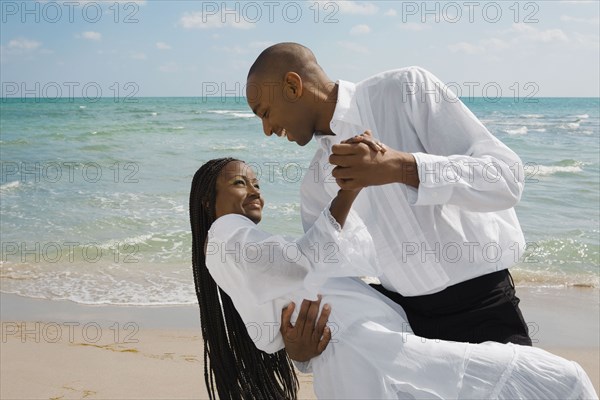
(373,353)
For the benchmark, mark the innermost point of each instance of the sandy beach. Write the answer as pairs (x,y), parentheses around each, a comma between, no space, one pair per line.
(63,350)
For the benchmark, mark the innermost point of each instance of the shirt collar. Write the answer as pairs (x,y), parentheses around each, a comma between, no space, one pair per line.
(346,112)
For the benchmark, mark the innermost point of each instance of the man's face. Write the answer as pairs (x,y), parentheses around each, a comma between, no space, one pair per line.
(281,109)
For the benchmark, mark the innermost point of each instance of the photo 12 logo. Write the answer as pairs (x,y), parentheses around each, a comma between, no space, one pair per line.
(246,13)
(53,12)
(71,332)
(69,252)
(469,11)
(490,92)
(68,171)
(89,92)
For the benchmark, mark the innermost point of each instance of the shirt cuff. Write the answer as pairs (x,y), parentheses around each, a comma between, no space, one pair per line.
(304,367)
(436,177)
(336,225)
(412,195)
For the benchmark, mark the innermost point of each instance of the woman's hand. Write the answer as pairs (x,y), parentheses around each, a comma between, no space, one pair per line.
(375,148)
(362,161)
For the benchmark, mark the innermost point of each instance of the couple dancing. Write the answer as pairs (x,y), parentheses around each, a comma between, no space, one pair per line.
(438,327)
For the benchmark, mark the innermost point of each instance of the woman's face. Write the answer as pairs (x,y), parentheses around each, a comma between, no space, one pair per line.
(238,192)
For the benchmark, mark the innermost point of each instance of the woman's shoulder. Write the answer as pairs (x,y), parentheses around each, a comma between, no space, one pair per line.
(228,223)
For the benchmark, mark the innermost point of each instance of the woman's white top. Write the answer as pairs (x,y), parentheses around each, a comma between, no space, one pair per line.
(263,273)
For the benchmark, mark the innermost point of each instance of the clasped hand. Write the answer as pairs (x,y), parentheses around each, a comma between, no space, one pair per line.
(360,162)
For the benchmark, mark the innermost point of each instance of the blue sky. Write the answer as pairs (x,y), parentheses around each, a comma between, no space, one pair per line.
(191,48)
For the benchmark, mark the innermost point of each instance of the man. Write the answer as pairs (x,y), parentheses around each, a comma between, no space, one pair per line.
(438,198)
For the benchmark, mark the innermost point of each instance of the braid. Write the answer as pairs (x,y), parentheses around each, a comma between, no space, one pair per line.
(233,366)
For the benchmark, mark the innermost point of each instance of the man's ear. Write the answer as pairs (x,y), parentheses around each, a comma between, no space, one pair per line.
(292,86)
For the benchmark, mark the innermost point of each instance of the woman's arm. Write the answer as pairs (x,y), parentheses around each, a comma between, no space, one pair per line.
(341,205)
(272,266)
(260,271)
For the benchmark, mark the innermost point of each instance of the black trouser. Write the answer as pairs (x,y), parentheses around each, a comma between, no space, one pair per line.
(478,310)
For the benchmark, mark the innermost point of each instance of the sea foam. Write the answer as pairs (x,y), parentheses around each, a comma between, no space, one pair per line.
(519,131)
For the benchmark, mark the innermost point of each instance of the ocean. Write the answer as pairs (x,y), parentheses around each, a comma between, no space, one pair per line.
(94,194)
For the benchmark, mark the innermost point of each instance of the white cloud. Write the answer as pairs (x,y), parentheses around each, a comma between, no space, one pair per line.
(390,13)
(348,7)
(197,20)
(162,46)
(24,44)
(515,37)
(481,47)
(535,35)
(567,18)
(22,47)
(355,47)
(360,29)
(234,49)
(90,35)
(245,49)
(414,26)
(139,56)
(590,41)
(354,7)
(494,44)
(261,45)
(467,48)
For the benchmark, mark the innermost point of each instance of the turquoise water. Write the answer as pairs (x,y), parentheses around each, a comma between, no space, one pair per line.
(94,194)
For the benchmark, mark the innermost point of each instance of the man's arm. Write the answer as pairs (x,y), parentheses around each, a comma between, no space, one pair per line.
(306,339)
(462,163)
(360,166)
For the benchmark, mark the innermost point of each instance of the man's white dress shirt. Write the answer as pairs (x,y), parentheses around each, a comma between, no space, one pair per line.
(460,223)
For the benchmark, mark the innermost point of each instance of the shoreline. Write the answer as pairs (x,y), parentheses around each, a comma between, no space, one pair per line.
(564,317)
(63,350)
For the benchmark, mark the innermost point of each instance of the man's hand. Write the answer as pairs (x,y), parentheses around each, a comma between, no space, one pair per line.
(305,340)
(368,139)
(361,161)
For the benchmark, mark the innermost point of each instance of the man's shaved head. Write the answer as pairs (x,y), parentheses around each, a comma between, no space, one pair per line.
(275,61)
(290,93)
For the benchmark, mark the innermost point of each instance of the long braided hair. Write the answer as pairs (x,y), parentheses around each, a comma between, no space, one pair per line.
(233,366)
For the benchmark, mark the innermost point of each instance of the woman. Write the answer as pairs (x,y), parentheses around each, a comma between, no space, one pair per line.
(245,276)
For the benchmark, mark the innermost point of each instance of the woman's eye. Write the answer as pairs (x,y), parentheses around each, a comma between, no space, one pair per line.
(239,181)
